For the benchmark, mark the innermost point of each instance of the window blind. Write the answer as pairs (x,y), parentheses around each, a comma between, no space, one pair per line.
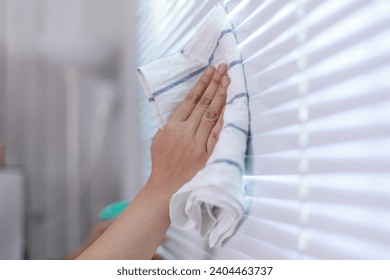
(318,172)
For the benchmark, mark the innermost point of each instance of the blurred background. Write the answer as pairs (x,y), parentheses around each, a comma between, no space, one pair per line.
(75,126)
(68,115)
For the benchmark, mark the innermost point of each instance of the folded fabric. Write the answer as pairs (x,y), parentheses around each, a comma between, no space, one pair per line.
(213,201)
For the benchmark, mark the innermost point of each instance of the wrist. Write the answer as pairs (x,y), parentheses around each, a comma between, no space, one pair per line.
(160,188)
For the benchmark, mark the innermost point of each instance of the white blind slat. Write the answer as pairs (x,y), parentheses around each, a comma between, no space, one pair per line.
(189,245)
(272,166)
(351,191)
(342,219)
(331,109)
(259,249)
(280,234)
(266,144)
(176,251)
(325,245)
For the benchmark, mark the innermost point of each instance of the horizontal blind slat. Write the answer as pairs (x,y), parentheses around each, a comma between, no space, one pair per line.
(278,166)
(315,241)
(280,234)
(258,249)
(189,245)
(184,31)
(255,13)
(173,247)
(264,59)
(329,246)
(267,79)
(349,193)
(362,222)
(250,19)
(268,144)
(226,253)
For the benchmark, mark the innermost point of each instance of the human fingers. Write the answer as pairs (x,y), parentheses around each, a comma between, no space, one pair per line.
(188,104)
(207,98)
(214,135)
(210,116)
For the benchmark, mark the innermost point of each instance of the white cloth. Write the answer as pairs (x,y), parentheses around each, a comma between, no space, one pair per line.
(212,201)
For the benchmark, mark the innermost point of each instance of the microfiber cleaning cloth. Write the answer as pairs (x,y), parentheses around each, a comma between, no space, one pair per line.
(213,201)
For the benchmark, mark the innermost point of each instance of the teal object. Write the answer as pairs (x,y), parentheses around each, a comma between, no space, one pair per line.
(113,210)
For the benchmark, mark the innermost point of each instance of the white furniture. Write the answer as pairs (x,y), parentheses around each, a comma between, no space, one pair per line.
(11,214)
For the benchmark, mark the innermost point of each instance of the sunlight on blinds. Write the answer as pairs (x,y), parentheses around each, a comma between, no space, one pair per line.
(320,129)
(318,178)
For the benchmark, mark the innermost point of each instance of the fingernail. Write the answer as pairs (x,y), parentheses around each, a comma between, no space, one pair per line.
(210,71)
(222,68)
(225,81)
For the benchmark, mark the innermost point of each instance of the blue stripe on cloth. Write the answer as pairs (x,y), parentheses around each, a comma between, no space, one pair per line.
(234,63)
(178,82)
(196,72)
(239,95)
(237,127)
(223,33)
(228,161)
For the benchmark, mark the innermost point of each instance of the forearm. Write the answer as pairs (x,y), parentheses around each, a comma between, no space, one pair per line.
(138,232)
(179,150)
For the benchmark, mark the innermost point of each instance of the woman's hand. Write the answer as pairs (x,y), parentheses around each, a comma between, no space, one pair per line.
(181,148)
(179,151)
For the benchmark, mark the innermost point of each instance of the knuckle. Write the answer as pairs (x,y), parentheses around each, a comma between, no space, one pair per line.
(221,91)
(211,115)
(193,97)
(215,135)
(216,80)
(205,101)
(203,83)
